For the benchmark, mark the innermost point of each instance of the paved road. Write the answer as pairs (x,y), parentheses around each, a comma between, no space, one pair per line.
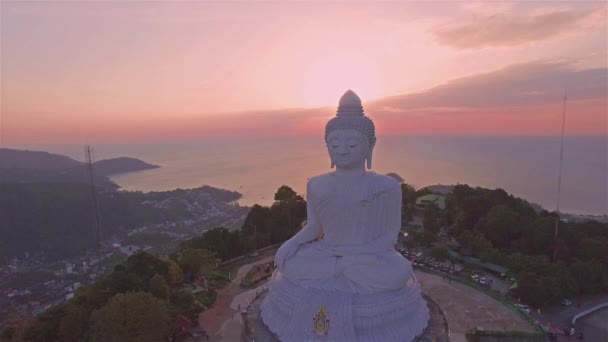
(594,326)
(561,316)
(224,311)
(466,308)
(219,318)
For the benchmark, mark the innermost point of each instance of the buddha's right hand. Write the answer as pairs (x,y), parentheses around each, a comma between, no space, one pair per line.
(286,250)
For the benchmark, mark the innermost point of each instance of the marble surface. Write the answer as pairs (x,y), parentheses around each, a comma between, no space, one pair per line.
(255,330)
(343,262)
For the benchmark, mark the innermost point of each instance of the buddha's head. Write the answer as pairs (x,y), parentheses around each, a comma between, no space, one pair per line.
(350,136)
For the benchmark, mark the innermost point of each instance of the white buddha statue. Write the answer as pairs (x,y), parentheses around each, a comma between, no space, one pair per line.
(340,278)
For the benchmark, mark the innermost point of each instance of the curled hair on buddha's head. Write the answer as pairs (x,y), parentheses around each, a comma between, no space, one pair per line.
(350,116)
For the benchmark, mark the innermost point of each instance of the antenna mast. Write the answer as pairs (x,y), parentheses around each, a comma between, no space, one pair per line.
(89,159)
(559,178)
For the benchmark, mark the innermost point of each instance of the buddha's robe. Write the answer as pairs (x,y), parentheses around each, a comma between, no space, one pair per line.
(360,217)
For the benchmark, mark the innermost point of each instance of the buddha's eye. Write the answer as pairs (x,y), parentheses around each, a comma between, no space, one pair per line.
(334,146)
(351,146)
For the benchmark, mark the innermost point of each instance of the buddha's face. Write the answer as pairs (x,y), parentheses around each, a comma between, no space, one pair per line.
(347,148)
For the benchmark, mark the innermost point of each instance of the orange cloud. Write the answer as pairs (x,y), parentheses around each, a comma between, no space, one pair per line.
(521,99)
(583,118)
(509,29)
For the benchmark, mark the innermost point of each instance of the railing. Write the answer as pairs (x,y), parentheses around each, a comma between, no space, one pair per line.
(588,311)
(263,249)
(445,320)
(244,335)
(475,335)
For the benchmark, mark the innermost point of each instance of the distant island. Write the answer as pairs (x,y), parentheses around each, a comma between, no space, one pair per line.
(121,165)
(37,166)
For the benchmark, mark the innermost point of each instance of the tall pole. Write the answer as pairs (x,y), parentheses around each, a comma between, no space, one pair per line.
(89,158)
(255,237)
(559,177)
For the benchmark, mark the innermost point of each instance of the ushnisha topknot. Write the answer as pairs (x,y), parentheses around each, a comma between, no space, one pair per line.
(350,116)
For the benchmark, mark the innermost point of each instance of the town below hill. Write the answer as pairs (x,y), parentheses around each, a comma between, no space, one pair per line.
(48,230)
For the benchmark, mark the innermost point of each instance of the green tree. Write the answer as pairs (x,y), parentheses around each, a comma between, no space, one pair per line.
(120,282)
(427,238)
(75,323)
(590,276)
(539,290)
(493,255)
(473,242)
(285,193)
(538,237)
(431,219)
(175,274)
(8,333)
(500,225)
(224,243)
(198,261)
(257,226)
(183,301)
(595,249)
(440,253)
(46,325)
(146,265)
(408,201)
(134,316)
(159,287)
(286,219)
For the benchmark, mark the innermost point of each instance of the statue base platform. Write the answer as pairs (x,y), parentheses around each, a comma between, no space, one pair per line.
(254,328)
(401,316)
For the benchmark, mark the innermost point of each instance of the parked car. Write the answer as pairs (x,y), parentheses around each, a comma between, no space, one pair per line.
(523,307)
(566,302)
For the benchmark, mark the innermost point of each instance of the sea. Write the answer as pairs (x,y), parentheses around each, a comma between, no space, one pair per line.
(527,167)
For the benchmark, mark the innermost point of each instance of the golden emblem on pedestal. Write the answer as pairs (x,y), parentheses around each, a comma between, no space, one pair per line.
(320,322)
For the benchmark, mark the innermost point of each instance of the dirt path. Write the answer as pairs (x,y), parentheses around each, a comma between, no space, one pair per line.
(218,318)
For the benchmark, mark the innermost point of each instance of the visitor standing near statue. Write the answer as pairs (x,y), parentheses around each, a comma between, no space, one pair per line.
(340,278)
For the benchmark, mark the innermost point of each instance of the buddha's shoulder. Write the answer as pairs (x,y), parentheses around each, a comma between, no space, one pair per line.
(320,180)
(384,182)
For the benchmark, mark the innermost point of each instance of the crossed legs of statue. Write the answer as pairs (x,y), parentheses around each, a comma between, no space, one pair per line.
(365,273)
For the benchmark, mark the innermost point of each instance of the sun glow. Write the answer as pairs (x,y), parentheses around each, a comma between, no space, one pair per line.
(327,79)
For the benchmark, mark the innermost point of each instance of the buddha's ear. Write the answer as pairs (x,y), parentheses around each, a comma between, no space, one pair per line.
(332,163)
(370,152)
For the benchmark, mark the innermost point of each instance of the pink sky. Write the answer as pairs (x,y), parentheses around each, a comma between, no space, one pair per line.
(75,72)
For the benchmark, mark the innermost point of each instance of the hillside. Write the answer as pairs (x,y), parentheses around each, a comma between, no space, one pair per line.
(37,166)
(47,209)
